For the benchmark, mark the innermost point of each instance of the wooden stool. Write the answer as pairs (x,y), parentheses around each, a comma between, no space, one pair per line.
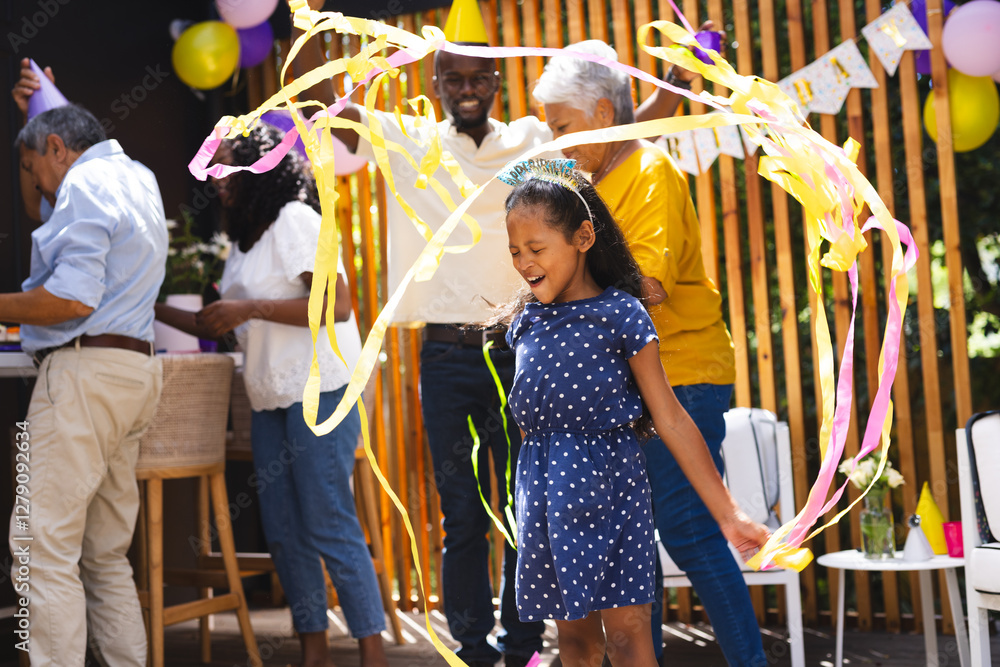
(187,439)
(365,497)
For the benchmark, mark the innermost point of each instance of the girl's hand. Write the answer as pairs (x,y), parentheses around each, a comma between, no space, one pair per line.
(746,535)
(223,316)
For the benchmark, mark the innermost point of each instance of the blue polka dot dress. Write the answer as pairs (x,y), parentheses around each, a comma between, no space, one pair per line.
(584,515)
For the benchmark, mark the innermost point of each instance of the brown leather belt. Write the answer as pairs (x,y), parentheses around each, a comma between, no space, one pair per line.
(470,337)
(102,340)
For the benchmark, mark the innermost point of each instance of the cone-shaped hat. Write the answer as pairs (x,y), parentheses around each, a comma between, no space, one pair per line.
(45,98)
(465,23)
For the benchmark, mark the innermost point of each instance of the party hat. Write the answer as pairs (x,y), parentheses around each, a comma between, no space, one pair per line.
(465,23)
(45,98)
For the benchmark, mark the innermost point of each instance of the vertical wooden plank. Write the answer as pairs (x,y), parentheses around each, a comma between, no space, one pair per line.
(949,219)
(577,25)
(731,232)
(433,17)
(644,61)
(553,23)
(949,216)
(785,261)
(869,288)
(842,317)
(517,106)
(532,21)
(624,35)
(913,137)
(729,195)
(758,244)
(953,259)
(418,445)
(882,136)
(598,19)
(704,186)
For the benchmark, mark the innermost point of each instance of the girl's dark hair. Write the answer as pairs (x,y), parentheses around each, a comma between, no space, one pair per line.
(609,260)
(257,198)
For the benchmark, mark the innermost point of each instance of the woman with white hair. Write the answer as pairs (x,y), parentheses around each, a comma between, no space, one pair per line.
(650,199)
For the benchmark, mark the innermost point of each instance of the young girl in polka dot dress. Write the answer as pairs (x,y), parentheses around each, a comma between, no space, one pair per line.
(588,379)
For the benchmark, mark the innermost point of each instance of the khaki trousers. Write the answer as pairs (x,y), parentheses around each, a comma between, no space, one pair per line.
(88,409)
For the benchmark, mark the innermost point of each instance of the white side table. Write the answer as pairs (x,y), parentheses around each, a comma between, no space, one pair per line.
(855,560)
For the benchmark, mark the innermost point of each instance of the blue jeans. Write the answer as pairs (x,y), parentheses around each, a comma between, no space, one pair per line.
(693,538)
(455,383)
(308,513)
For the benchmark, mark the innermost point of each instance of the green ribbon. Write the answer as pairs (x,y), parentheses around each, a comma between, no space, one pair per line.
(509,507)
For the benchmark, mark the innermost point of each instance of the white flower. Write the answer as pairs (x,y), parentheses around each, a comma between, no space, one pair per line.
(895,478)
(171,224)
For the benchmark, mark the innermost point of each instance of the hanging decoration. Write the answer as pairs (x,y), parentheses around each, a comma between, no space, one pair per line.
(892,33)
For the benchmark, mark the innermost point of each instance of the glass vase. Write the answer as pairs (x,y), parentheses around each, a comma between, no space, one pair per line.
(877,529)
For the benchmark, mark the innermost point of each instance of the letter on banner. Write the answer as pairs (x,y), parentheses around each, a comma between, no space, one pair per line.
(892,33)
(681,147)
(851,66)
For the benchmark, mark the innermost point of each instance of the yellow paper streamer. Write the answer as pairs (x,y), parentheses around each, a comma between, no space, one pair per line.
(796,158)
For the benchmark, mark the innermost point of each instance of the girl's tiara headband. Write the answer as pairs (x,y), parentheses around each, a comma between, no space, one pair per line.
(559,172)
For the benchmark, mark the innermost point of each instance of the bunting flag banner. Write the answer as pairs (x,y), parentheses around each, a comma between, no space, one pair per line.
(730,141)
(892,33)
(707,146)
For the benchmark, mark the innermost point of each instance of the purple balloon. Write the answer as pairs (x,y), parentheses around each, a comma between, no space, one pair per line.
(255,44)
(919,10)
(710,39)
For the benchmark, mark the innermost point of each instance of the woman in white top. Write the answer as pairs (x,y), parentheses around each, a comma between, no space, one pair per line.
(303,480)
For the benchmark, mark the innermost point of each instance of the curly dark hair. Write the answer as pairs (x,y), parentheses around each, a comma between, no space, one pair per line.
(609,260)
(257,198)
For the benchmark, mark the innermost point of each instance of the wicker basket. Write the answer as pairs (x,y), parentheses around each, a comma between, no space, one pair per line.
(189,428)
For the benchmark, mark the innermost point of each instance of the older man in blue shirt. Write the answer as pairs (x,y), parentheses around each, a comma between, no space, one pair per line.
(87,312)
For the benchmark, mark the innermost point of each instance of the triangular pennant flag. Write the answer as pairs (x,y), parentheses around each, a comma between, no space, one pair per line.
(465,23)
(681,146)
(892,33)
(850,66)
(707,147)
(45,98)
(828,89)
(730,142)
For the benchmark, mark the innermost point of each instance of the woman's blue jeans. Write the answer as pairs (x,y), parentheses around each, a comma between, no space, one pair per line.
(308,512)
(693,538)
(455,383)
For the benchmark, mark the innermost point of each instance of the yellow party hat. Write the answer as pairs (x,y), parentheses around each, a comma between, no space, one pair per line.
(465,23)
(931,520)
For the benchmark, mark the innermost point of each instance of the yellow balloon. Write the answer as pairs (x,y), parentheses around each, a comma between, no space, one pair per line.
(206,54)
(975,110)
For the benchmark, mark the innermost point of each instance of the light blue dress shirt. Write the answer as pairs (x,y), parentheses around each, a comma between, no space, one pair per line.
(104,245)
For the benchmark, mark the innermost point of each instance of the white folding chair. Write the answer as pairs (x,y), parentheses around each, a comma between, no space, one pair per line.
(758,472)
(978,446)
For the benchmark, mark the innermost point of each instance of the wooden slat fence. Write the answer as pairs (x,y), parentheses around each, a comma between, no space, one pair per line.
(753,247)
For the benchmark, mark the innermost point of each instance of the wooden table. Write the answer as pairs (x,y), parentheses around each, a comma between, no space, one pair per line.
(855,560)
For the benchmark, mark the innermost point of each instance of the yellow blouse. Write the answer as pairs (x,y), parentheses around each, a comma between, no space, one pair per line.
(650,199)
